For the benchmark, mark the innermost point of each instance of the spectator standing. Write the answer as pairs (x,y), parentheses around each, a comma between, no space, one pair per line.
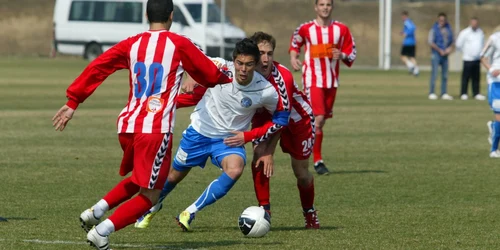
(441,42)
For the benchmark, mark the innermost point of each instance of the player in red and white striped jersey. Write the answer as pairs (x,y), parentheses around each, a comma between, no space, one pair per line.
(296,139)
(156,61)
(327,43)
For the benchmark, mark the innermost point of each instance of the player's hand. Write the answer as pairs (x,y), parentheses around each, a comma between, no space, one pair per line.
(495,73)
(336,54)
(235,141)
(188,86)
(441,52)
(296,63)
(267,163)
(447,51)
(62,117)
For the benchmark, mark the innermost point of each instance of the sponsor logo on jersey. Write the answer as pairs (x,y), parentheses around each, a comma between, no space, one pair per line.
(155,104)
(246,102)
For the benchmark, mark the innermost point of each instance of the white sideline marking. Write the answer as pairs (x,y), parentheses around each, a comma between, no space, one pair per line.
(65,242)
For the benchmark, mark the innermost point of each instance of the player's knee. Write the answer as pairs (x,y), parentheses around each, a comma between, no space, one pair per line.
(152,194)
(301,170)
(234,172)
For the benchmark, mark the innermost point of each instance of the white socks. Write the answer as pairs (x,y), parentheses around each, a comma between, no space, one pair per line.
(105,228)
(192,209)
(100,208)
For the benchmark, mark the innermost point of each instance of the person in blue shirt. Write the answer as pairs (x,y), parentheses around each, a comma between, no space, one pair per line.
(441,42)
(409,44)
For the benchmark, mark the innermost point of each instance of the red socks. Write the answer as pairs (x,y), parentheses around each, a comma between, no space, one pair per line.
(130,211)
(306,195)
(121,192)
(261,185)
(317,146)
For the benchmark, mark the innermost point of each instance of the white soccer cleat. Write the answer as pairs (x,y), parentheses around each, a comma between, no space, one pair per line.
(480,97)
(98,241)
(446,97)
(490,130)
(88,220)
(433,96)
(464,97)
(495,154)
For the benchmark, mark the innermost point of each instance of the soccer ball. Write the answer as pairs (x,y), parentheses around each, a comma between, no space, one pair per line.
(254,222)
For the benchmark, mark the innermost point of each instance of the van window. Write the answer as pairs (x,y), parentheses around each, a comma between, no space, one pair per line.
(179,17)
(213,12)
(100,11)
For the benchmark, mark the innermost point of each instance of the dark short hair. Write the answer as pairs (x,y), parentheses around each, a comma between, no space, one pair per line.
(474,18)
(404,13)
(247,47)
(260,36)
(442,14)
(159,11)
(316,2)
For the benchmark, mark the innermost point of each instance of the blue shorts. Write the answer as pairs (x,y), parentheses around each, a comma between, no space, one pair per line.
(494,96)
(195,148)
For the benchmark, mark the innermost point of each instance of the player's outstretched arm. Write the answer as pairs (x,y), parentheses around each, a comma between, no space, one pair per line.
(185,100)
(264,152)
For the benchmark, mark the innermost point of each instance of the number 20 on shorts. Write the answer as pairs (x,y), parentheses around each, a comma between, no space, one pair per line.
(153,85)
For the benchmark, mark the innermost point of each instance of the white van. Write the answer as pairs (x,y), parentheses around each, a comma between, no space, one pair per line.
(89,27)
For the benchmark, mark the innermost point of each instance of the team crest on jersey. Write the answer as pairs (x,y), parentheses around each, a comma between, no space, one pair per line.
(155,104)
(246,102)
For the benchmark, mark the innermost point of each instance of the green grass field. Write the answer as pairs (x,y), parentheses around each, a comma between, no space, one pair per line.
(409,173)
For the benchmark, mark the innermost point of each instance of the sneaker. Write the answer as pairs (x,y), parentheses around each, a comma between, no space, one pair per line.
(143,221)
(311,219)
(98,241)
(321,168)
(480,97)
(446,97)
(495,154)
(433,96)
(88,220)
(464,97)
(416,72)
(184,220)
(489,124)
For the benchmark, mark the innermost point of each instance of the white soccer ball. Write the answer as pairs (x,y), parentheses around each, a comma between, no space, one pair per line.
(254,222)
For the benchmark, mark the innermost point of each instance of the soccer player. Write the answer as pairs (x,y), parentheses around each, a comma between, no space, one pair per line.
(296,139)
(409,44)
(216,131)
(156,60)
(490,58)
(327,43)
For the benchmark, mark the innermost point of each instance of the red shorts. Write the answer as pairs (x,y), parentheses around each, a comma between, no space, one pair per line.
(296,138)
(322,100)
(148,157)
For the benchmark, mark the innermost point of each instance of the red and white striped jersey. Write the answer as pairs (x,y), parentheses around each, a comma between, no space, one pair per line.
(319,69)
(299,106)
(156,61)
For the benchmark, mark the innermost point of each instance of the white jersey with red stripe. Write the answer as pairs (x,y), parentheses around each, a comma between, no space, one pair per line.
(156,61)
(299,107)
(319,68)
(230,107)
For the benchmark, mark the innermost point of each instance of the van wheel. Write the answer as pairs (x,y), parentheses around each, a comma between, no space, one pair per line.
(92,51)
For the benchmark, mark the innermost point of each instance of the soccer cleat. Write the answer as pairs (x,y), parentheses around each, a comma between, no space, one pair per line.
(416,72)
(268,211)
(311,219)
(489,124)
(464,97)
(480,97)
(495,154)
(98,241)
(184,220)
(446,97)
(433,96)
(143,221)
(321,168)
(88,220)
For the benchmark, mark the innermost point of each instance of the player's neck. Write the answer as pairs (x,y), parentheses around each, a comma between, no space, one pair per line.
(159,26)
(323,21)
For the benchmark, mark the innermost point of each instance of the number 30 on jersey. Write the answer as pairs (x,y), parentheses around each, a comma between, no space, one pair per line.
(152,85)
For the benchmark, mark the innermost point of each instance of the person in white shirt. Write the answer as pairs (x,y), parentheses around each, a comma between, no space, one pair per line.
(471,41)
(490,58)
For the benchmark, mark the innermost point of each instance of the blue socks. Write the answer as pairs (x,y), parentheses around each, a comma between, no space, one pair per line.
(496,136)
(216,190)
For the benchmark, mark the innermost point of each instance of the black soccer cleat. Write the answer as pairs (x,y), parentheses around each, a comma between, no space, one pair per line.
(321,168)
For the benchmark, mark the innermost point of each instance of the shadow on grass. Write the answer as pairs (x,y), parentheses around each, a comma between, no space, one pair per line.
(5,219)
(288,228)
(359,172)
(201,244)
